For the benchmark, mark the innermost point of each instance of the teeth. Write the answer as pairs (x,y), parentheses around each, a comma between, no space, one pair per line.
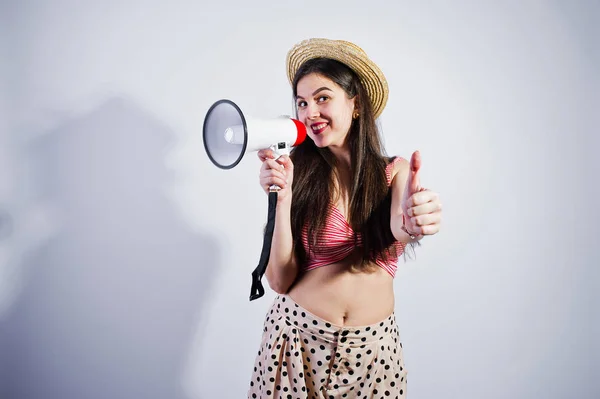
(319,126)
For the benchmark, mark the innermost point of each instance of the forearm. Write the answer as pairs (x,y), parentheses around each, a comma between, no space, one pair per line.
(282,267)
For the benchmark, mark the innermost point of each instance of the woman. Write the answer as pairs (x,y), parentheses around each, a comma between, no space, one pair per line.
(345,213)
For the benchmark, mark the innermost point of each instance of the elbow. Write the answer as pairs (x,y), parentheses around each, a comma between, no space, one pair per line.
(278,285)
(279,288)
(280,279)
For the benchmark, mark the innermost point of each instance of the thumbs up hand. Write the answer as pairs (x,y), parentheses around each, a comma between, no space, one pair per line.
(421,207)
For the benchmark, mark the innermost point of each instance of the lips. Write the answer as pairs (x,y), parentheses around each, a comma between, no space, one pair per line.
(318,128)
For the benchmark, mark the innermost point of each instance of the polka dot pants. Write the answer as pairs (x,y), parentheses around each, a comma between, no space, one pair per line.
(304,356)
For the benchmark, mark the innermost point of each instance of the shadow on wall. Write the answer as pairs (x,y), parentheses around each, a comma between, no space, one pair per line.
(110,304)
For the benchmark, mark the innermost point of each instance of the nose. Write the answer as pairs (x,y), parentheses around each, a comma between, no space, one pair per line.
(312,111)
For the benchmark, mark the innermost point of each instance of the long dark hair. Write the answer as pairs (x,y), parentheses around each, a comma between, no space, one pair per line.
(314,171)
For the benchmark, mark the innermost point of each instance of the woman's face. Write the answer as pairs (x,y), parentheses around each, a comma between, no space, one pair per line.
(325,109)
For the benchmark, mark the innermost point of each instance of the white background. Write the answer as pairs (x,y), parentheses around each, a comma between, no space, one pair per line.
(125,255)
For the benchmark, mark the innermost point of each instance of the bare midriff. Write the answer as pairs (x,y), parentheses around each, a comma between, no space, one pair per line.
(343,296)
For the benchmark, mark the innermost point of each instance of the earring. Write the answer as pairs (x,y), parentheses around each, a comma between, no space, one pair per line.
(355,114)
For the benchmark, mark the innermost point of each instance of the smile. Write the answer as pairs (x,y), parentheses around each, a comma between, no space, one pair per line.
(318,128)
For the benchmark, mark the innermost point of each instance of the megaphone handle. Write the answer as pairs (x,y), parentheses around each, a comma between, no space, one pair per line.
(257,290)
(279,150)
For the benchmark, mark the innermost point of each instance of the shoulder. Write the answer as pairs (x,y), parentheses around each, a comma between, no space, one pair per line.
(397,170)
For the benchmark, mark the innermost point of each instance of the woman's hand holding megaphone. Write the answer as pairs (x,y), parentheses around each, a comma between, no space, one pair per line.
(276,171)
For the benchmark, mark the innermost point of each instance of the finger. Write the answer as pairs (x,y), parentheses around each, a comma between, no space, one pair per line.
(274,180)
(267,174)
(286,162)
(426,220)
(414,182)
(266,154)
(274,165)
(423,209)
(430,229)
(422,197)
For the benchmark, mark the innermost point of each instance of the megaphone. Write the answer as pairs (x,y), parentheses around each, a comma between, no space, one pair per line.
(228,134)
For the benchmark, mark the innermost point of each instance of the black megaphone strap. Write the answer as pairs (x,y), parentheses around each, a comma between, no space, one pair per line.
(257,289)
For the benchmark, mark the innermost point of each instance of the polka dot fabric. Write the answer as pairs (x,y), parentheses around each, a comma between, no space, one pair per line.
(303,356)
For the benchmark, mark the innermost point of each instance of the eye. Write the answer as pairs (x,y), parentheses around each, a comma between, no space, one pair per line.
(322,99)
(301,104)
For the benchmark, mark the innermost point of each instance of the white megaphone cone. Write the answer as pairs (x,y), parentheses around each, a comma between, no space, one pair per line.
(228,134)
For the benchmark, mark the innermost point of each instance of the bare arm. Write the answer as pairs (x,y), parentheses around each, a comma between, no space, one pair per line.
(282,268)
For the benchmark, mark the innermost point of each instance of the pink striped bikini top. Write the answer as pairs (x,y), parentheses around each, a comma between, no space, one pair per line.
(337,241)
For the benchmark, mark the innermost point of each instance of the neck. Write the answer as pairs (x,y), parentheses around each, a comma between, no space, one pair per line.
(342,157)
(343,172)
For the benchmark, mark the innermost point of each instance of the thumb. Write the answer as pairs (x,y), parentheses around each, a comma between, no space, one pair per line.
(413,184)
(286,162)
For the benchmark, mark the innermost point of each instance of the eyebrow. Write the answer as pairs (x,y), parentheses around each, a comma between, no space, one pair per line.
(316,91)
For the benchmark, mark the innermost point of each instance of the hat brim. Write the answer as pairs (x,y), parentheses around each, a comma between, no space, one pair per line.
(348,53)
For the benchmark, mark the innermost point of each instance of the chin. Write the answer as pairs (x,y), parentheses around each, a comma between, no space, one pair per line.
(319,141)
(322,143)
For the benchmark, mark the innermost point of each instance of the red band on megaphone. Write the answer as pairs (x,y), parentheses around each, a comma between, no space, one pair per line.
(301,132)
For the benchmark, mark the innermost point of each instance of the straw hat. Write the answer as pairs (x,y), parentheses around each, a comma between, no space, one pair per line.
(348,53)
